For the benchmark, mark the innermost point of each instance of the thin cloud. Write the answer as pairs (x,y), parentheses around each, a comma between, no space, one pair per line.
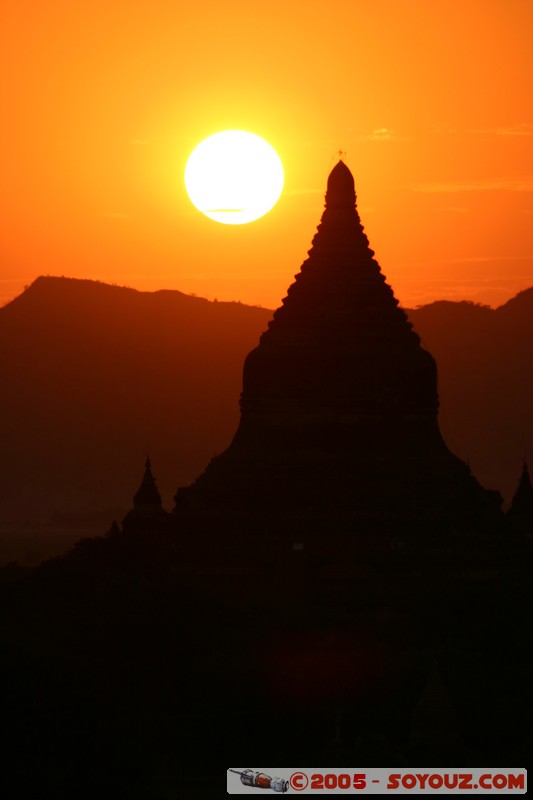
(521,129)
(514,184)
(382,135)
(466,260)
(524,129)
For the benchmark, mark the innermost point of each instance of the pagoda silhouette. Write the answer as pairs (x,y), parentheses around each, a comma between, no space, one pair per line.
(338,451)
(339,526)
(147,511)
(335,583)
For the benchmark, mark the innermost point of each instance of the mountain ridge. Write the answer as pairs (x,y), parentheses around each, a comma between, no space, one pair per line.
(95,375)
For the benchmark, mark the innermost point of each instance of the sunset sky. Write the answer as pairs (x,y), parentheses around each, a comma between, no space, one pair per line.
(102,103)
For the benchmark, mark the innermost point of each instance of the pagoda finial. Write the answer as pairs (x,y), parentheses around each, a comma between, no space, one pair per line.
(147,496)
(341,187)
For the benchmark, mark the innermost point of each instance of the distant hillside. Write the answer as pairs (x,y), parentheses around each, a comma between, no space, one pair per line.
(485,361)
(94,376)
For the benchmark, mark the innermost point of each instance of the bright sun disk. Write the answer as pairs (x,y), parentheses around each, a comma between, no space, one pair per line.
(234,177)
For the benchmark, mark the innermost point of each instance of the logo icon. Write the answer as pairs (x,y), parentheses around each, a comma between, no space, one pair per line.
(261,781)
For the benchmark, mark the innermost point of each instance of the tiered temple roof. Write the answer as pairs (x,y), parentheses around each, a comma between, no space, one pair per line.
(339,403)
(147,512)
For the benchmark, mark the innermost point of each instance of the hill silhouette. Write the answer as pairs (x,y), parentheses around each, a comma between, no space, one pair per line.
(94,376)
(485,359)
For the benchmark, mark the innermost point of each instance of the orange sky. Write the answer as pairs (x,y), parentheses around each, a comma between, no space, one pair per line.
(102,103)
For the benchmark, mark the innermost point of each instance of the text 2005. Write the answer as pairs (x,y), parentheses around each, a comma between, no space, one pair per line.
(343,781)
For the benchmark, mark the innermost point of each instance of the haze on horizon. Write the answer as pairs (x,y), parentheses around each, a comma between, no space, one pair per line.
(103,104)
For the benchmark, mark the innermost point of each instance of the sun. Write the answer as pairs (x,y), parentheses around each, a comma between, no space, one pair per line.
(234,177)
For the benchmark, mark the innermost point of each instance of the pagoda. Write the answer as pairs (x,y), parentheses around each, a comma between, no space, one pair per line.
(337,542)
(339,432)
(521,510)
(147,512)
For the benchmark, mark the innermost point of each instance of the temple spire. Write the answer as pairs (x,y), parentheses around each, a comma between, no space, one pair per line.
(340,311)
(341,187)
(147,512)
(522,504)
(339,401)
(147,495)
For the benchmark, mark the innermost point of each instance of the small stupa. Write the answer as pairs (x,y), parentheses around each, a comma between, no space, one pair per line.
(147,512)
